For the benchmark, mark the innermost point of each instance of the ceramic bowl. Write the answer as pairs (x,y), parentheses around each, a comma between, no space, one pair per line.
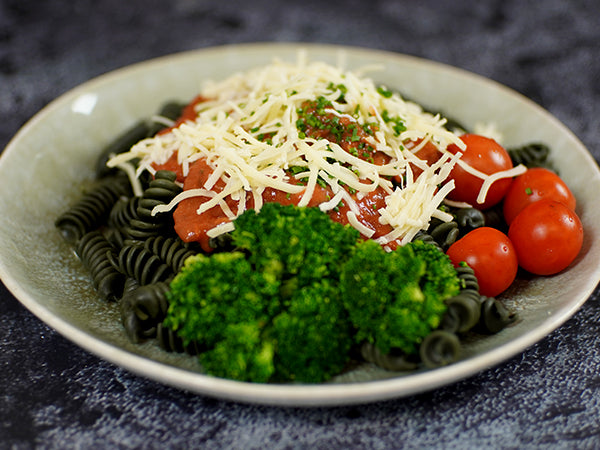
(54,154)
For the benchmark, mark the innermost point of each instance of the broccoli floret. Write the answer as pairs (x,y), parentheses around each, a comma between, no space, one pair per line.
(211,292)
(299,291)
(270,310)
(441,280)
(243,354)
(396,299)
(313,334)
(300,242)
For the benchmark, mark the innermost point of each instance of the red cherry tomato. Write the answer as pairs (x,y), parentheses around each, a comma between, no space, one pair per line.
(491,255)
(547,237)
(533,185)
(488,157)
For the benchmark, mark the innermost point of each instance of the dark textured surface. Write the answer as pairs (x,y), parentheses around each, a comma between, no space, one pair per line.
(55,395)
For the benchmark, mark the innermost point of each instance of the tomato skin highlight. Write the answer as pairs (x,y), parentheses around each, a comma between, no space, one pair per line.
(535,184)
(491,255)
(487,156)
(547,237)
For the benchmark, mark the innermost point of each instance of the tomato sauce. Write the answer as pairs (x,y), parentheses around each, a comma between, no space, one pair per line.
(187,114)
(173,166)
(193,227)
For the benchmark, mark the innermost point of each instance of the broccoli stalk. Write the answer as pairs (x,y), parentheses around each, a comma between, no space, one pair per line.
(299,291)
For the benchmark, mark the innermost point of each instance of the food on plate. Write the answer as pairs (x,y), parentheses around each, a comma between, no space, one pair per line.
(491,255)
(533,185)
(282,307)
(547,236)
(297,217)
(485,155)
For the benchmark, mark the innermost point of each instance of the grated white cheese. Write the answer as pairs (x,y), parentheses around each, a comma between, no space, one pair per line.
(247,132)
(489,179)
(409,209)
(364,230)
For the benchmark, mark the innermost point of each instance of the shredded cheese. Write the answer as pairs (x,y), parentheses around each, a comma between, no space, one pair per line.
(489,179)
(247,131)
(410,208)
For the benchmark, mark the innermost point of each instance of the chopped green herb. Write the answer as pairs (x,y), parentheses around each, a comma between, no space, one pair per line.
(384,92)
(398,126)
(321,182)
(294,170)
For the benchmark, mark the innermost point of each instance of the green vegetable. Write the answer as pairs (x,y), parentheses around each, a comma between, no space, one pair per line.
(398,126)
(271,310)
(301,242)
(313,334)
(299,291)
(241,354)
(384,92)
(396,299)
(211,292)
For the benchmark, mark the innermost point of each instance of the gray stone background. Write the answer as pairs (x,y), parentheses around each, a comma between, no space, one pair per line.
(55,395)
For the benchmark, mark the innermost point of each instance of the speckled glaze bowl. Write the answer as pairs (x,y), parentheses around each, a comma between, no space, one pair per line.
(54,154)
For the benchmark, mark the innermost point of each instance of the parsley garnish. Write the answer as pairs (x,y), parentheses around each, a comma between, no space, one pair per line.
(384,92)
(398,124)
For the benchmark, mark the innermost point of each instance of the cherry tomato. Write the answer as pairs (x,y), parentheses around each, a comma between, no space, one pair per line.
(547,237)
(533,185)
(488,157)
(491,255)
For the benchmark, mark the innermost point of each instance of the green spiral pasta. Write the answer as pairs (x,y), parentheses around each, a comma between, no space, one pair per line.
(123,212)
(161,190)
(94,250)
(439,348)
(92,209)
(534,154)
(171,250)
(134,261)
(444,233)
(468,219)
(169,341)
(388,361)
(142,309)
(221,243)
(494,316)
(441,234)
(464,309)
(138,131)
